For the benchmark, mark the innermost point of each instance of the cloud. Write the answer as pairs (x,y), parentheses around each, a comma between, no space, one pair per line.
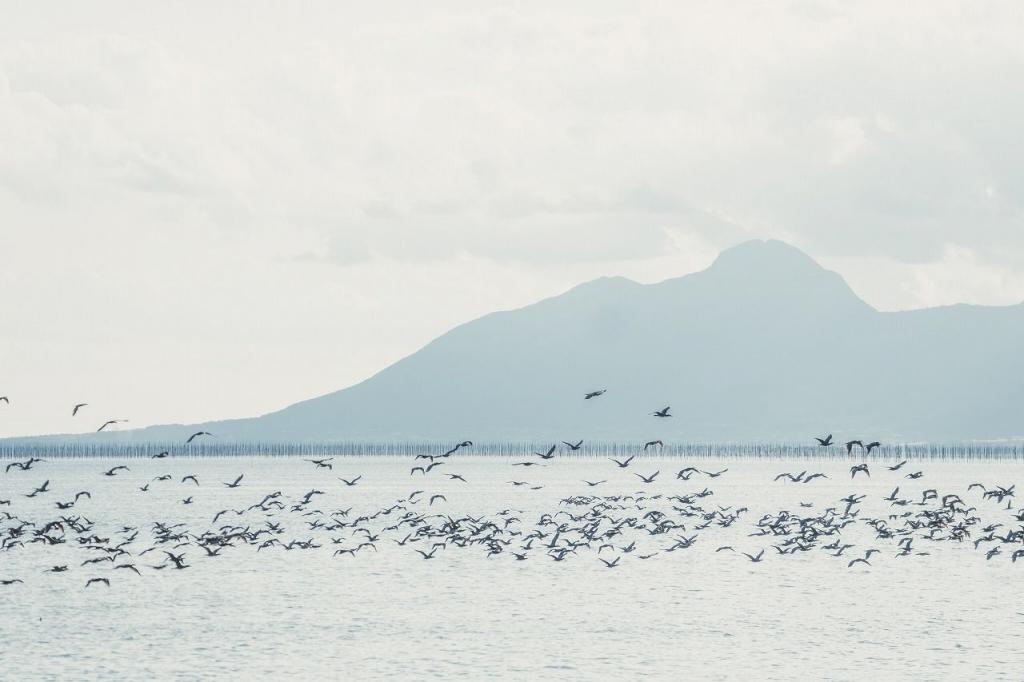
(265,185)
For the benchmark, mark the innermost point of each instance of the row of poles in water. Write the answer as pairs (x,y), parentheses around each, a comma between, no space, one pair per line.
(931,451)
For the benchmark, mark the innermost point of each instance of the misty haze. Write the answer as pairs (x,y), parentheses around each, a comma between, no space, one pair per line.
(483,341)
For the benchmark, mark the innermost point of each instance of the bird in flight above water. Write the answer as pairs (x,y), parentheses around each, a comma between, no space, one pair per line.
(196,435)
(663,412)
(594,394)
(77,407)
(824,442)
(624,463)
(549,454)
(110,422)
(648,479)
(573,446)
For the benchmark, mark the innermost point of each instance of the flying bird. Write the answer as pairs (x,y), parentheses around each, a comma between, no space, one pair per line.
(77,407)
(824,442)
(592,394)
(197,434)
(549,454)
(662,412)
(859,468)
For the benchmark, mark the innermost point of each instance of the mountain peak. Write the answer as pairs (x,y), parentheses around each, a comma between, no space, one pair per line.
(761,255)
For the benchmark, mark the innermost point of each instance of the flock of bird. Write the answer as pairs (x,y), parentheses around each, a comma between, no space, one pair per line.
(611,529)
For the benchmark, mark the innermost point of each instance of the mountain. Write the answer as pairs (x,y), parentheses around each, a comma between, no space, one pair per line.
(765,344)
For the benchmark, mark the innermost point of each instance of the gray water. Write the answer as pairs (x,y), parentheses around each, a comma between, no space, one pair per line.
(941,612)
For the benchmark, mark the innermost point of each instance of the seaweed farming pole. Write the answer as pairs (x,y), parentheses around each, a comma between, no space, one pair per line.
(14,449)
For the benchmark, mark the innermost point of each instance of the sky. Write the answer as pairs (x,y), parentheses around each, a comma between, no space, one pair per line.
(214,209)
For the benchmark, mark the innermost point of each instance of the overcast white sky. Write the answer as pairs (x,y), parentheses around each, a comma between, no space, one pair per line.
(214,209)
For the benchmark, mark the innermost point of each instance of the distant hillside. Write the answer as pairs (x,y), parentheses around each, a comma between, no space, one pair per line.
(764,344)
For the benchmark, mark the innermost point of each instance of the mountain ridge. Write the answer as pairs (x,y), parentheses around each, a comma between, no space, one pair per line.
(763,344)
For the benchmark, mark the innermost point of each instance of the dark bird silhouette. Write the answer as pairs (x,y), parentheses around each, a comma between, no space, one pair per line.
(611,564)
(190,477)
(437,497)
(549,454)
(755,558)
(352,482)
(648,479)
(662,412)
(824,442)
(594,394)
(113,471)
(322,463)
(624,463)
(653,443)
(159,455)
(851,443)
(92,581)
(235,483)
(858,561)
(110,422)
(859,468)
(897,467)
(197,434)
(573,446)
(177,559)
(45,487)
(871,446)
(593,484)
(916,475)
(76,408)
(456,477)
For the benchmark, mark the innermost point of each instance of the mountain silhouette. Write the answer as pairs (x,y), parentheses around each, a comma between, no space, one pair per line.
(763,345)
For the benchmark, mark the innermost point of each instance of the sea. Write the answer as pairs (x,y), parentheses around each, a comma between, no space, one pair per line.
(649,594)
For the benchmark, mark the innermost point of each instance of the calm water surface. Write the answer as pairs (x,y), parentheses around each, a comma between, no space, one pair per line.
(389,613)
